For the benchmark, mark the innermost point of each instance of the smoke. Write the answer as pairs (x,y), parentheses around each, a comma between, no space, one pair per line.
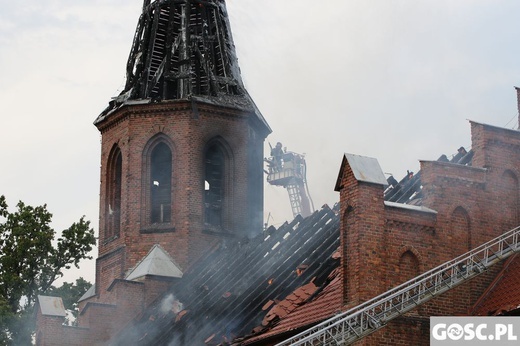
(70,318)
(170,304)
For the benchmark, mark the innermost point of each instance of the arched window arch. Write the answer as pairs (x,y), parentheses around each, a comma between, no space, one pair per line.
(157,197)
(510,199)
(113,193)
(408,266)
(214,184)
(218,185)
(461,229)
(160,183)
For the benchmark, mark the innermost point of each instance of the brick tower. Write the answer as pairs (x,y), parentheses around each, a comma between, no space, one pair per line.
(182,145)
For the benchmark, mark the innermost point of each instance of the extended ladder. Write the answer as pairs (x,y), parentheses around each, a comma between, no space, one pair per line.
(294,196)
(364,319)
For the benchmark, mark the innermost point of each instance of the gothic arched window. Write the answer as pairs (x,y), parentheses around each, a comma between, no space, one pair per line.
(460,229)
(160,184)
(113,196)
(214,185)
(408,266)
(509,199)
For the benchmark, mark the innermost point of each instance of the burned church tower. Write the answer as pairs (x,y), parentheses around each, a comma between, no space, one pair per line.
(182,145)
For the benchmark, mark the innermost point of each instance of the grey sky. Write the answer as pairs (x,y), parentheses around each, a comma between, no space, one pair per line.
(395,80)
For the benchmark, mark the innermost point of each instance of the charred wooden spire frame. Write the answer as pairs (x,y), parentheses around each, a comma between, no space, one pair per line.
(183,49)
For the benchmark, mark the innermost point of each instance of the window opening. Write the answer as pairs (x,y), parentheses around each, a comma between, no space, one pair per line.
(160,184)
(213,186)
(114,195)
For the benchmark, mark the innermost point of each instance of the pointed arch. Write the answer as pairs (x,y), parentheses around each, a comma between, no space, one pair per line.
(218,190)
(160,183)
(409,265)
(114,178)
(157,181)
(460,229)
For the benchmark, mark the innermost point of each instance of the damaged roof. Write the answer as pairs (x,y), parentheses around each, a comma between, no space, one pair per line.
(503,295)
(325,302)
(408,189)
(245,289)
(281,282)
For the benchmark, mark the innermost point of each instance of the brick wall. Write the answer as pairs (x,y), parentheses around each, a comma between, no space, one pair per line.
(187,129)
(384,246)
(363,224)
(50,331)
(99,320)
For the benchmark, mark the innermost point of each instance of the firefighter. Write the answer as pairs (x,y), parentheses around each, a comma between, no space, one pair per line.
(277,153)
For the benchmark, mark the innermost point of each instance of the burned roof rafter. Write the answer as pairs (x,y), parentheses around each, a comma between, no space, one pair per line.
(226,292)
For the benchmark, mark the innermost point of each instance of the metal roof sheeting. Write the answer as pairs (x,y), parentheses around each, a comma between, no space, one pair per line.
(410,207)
(157,263)
(51,306)
(366,169)
(90,293)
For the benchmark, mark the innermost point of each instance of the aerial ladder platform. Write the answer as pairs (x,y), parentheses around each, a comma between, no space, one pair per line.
(289,170)
(366,318)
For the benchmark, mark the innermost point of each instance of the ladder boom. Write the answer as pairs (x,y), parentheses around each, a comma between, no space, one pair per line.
(289,170)
(366,318)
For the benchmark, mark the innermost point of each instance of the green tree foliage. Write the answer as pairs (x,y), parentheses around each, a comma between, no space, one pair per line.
(5,319)
(31,259)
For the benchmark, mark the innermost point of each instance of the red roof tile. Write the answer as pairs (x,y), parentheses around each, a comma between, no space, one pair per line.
(503,295)
(327,303)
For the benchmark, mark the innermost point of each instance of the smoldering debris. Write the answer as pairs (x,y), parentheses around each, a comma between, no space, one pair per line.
(170,304)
